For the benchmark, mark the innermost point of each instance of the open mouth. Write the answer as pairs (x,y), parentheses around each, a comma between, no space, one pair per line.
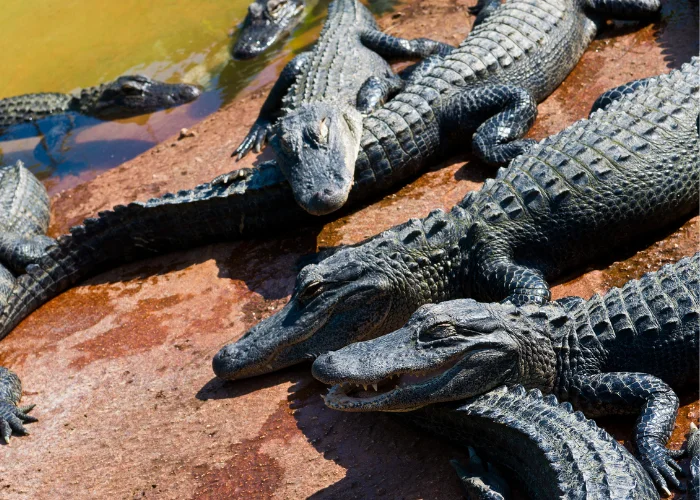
(352,396)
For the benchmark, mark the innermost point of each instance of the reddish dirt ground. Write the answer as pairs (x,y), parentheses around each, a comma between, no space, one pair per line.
(120,366)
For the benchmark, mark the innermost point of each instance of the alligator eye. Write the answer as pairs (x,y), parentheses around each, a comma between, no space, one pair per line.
(440,331)
(310,291)
(130,89)
(274,7)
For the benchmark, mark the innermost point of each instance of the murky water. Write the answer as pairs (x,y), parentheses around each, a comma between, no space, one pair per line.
(63,45)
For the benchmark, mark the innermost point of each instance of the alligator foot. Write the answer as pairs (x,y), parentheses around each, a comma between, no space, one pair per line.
(12,416)
(661,465)
(481,480)
(11,419)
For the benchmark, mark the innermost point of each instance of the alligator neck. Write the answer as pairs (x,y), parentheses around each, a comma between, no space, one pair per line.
(86,102)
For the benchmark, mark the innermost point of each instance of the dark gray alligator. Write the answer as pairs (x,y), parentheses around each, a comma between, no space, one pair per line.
(554,451)
(125,97)
(617,354)
(266,22)
(487,88)
(258,201)
(24,219)
(313,106)
(576,196)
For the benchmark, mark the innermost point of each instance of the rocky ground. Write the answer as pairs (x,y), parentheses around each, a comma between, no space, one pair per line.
(120,366)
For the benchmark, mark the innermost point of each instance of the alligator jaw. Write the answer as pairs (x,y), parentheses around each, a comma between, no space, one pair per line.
(409,394)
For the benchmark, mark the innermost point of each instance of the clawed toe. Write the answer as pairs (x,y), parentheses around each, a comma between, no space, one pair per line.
(12,419)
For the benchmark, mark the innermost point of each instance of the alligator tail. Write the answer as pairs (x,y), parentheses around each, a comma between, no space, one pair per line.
(245,202)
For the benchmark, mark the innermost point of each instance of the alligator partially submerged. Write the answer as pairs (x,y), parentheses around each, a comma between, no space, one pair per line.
(483,92)
(313,110)
(267,22)
(553,451)
(124,97)
(617,354)
(576,196)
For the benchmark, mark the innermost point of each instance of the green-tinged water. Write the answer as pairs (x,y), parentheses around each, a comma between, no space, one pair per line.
(63,45)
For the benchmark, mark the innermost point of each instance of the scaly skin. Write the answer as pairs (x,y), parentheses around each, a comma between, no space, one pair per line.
(312,109)
(611,355)
(126,96)
(267,22)
(554,452)
(574,198)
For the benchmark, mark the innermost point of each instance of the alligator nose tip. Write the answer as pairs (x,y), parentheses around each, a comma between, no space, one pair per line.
(325,201)
(322,368)
(224,362)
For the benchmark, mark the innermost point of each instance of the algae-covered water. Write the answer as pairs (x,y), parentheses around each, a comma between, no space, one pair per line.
(63,45)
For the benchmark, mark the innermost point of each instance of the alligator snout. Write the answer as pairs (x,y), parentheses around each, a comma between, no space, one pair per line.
(325,201)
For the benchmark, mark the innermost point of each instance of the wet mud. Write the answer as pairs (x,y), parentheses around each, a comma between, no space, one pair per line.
(120,367)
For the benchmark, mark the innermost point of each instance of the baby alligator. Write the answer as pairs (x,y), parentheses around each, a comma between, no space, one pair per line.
(125,97)
(612,355)
(313,106)
(554,451)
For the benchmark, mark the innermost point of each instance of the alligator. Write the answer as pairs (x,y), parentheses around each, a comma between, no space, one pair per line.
(616,354)
(629,170)
(267,21)
(24,219)
(124,97)
(314,107)
(553,451)
(486,90)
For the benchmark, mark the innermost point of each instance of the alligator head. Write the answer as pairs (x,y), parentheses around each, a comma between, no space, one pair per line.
(345,298)
(448,351)
(267,21)
(316,146)
(133,95)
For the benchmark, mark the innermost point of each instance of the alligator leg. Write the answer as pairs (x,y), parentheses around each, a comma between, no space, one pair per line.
(483,10)
(608,97)
(52,144)
(518,284)
(262,127)
(626,393)
(11,415)
(500,114)
(391,47)
(376,91)
(17,251)
(629,10)
(481,481)
(694,452)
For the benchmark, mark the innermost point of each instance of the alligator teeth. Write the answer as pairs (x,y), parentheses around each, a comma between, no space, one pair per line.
(364,386)
(375,387)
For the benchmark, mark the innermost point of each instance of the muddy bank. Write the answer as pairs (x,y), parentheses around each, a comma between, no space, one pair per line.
(120,366)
